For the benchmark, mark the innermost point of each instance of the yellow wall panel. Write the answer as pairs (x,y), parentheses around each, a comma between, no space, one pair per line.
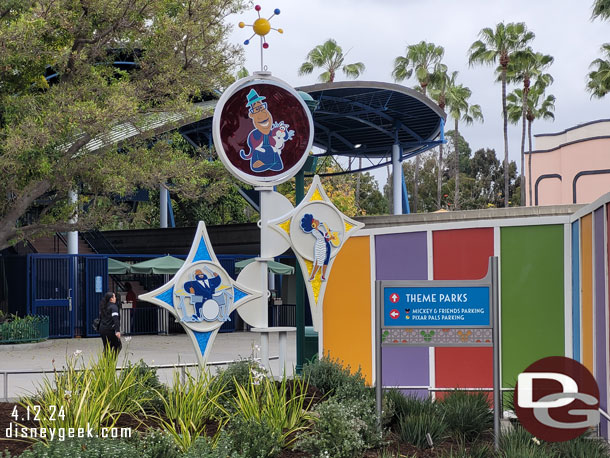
(347,328)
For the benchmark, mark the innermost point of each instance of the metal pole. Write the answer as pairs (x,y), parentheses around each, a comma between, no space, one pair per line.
(396,178)
(73,235)
(496,350)
(300,285)
(163,206)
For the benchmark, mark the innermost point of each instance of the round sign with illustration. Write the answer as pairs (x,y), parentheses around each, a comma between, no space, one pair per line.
(262,130)
(203,296)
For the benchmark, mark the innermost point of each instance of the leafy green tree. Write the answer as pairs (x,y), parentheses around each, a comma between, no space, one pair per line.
(498,46)
(528,67)
(460,110)
(424,60)
(57,135)
(330,57)
(598,83)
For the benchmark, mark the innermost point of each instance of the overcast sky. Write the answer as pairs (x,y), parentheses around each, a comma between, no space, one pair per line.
(375,32)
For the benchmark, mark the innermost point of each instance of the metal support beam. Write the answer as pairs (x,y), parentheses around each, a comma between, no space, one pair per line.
(396,178)
(73,235)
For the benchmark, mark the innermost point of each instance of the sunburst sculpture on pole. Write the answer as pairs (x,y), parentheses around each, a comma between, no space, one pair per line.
(261,27)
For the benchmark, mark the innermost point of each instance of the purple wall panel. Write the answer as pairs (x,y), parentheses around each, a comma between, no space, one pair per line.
(600,312)
(403,257)
(406,366)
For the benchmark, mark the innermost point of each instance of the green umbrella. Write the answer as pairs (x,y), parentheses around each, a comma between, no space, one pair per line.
(165,265)
(273,266)
(118,267)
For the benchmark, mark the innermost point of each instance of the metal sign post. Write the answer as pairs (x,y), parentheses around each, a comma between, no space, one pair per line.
(440,313)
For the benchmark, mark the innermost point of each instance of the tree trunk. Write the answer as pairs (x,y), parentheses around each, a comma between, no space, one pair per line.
(529,162)
(522,180)
(439,180)
(505,120)
(456,200)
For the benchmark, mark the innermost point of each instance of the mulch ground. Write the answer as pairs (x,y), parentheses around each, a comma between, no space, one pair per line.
(18,446)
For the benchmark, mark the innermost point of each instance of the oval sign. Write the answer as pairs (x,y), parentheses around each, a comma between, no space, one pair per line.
(262,130)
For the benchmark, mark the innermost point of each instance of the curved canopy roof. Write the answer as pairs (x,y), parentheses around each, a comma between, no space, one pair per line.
(365,118)
(361,119)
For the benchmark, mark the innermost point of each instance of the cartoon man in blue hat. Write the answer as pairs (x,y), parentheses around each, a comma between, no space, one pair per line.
(266,141)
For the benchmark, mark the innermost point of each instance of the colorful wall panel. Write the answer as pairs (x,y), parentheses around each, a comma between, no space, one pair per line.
(347,331)
(404,257)
(532,296)
(462,254)
(586,287)
(576,292)
(600,318)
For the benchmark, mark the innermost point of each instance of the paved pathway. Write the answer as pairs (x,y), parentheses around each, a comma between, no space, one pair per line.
(153,350)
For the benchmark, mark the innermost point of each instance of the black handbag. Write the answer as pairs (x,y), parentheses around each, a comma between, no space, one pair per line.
(96,324)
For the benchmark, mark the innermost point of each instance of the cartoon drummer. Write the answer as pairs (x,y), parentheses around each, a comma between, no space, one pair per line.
(267,139)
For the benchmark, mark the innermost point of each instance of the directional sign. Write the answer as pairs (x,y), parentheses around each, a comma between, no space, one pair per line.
(442,306)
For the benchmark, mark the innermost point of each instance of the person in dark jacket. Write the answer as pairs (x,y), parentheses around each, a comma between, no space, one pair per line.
(110,323)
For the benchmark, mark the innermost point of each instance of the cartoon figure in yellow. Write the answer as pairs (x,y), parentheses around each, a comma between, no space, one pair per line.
(267,139)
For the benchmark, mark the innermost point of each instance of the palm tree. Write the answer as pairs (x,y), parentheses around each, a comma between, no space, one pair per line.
(438,91)
(599,79)
(423,59)
(499,45)
(539,106)
(525,66)
(330,57)
(457,96)
(601,9)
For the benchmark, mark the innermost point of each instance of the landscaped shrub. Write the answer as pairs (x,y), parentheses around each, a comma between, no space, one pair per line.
(148,385)
(237,373)
(466,414)
(254,438)
(333,379)
(30,328)
(473,450)
(400,405)
(271,403)
(582,446)
(191,409)
(154,444)
(519,443)
(337,432)
(94,447)
(94,397)
(414,428)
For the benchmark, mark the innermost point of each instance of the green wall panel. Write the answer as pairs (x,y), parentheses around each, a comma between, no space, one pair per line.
(532,294)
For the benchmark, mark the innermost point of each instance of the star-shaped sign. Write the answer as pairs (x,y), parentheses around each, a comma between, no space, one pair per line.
(201,295)
(316,230)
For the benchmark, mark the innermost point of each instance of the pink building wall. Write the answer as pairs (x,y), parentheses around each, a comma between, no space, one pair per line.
(572,166)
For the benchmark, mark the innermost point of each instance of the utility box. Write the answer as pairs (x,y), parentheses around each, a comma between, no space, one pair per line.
(310,347)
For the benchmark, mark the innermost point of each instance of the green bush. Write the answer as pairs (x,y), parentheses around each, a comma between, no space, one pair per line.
(337,433)
(400,405)
(237,373)
(148,385)
(253,438)
(84,448)
(188,408)
(414,428)
(91,397)
(333,379)
(583,446)
(466,414)
(519,443)
(30,328)
(474,450)
(271,403)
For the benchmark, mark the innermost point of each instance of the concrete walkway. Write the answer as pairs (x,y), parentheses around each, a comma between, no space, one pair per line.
(153,350)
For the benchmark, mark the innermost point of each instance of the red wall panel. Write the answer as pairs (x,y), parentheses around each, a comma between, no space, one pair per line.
(463,254)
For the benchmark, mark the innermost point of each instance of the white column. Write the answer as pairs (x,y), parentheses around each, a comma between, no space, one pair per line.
(163,206)
(72,238)
(396,179)
(266,243)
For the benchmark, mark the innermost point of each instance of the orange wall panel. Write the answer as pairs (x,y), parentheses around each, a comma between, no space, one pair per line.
(347,328)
